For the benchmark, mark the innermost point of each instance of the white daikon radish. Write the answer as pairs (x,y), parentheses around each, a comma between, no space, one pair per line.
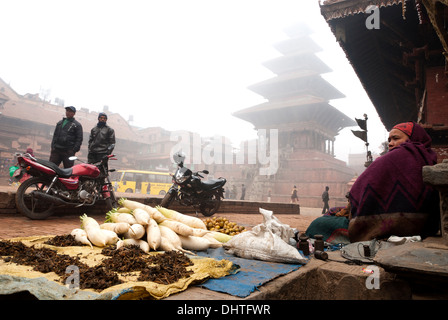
(136,231)
(153,235)
(117,227)
(213,242)
(130,204)
(200,232)
(111,236)
(177,216)
(221,237)
(154,213)
(124,210)
(114,216)
(93,230)
(108,226)
(141,216)
(178,227)
(173,238)
(133,242)
(166,245)
(81,236)
(195,243)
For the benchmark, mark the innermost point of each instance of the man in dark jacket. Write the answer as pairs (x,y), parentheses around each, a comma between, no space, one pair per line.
(101,138)
(67,139)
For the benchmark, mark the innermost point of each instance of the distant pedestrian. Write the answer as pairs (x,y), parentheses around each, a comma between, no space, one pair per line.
(101,138)
(294,195)
(243,191)
(67,139)
(269,195)
(325,199)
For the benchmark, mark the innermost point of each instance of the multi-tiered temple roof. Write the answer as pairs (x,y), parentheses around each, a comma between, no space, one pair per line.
(297,94)
(297,105)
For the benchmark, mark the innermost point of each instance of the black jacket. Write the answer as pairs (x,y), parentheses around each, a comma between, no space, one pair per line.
(68,137)
(100,139)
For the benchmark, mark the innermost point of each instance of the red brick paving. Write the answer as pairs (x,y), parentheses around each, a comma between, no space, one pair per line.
(17,225)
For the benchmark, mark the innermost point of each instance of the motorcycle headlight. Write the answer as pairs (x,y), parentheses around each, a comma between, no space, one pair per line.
(180,178)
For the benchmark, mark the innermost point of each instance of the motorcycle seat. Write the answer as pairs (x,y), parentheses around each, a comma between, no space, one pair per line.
(214,183)
(64,173)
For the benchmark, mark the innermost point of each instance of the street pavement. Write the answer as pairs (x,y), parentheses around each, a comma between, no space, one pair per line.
(14,225)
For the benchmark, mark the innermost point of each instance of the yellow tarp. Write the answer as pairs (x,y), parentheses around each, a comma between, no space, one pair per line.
(203,269)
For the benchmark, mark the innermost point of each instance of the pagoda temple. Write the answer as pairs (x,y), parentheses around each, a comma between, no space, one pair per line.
(298,107)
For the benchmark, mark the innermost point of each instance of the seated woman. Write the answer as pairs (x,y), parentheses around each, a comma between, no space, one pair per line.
(389,197)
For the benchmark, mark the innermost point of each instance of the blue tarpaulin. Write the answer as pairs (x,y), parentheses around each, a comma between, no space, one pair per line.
(251,274)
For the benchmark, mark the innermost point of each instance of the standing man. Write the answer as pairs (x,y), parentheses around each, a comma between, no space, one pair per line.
(325,199)
(101,138)
(243,192)
(67,139)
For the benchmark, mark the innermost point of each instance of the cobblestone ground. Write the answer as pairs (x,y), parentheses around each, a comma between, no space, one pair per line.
(16,225)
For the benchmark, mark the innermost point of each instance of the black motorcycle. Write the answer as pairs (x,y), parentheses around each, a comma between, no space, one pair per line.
(188,189)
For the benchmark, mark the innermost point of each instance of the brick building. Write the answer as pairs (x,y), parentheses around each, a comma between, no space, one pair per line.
(28,121)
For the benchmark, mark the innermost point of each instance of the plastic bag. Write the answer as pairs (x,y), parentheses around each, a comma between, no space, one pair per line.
(266,241)
(12,170)
(401,240)
(284,231)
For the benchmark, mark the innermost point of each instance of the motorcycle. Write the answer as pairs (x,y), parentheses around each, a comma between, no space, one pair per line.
(188,189)
(50,186)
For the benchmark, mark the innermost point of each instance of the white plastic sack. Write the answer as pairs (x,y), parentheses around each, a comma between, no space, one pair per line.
(266,241)
(284,231)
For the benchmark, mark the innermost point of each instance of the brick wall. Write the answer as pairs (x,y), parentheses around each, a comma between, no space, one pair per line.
(437,96)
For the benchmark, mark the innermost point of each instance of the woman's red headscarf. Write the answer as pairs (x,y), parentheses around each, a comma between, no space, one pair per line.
(405,127)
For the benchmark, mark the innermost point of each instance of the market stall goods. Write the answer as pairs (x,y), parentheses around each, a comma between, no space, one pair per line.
(140,222)
(39,266)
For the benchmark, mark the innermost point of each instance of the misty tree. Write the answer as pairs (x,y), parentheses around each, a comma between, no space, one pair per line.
(44,93)
(59,102)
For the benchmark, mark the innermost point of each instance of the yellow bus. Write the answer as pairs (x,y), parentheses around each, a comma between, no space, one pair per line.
(144,182)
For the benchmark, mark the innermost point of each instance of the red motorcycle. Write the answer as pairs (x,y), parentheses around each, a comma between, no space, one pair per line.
(50,186)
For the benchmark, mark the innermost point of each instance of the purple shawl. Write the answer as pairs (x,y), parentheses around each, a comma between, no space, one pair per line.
(391,189)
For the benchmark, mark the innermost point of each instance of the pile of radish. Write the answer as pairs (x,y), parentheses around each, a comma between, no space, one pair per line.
(158,228)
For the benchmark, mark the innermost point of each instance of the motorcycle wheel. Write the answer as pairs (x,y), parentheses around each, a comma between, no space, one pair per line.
(28,205)
(210,206)
(111,202)
(167,200)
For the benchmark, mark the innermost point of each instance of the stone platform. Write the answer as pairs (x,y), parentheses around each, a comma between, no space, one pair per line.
(341,279)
